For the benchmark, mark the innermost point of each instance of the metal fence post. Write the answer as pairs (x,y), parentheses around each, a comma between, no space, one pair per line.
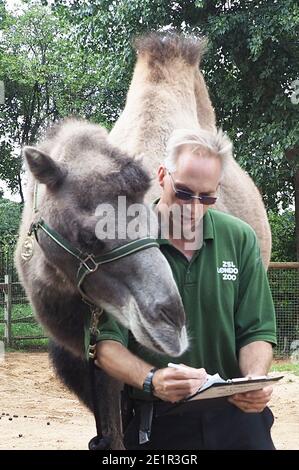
(7,309)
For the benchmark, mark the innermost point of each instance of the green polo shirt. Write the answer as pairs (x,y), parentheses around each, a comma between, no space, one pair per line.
(226,296)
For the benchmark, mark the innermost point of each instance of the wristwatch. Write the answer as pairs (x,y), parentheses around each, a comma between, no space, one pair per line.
(148,382)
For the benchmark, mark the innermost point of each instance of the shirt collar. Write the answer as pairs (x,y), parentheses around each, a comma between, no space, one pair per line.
(208,227)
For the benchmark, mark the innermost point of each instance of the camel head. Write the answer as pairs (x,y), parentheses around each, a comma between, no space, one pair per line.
(80,178)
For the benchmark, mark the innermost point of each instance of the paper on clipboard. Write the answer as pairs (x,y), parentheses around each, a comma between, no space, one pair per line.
(216,387)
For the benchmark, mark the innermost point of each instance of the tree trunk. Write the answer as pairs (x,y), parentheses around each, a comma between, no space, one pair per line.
(20,188)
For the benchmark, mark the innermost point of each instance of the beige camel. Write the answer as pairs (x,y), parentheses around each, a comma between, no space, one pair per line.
(168,92)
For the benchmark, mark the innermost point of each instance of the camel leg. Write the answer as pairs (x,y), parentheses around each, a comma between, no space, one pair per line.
(74,373)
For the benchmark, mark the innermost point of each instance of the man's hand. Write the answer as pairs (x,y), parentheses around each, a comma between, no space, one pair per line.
(175,384)
(252,402)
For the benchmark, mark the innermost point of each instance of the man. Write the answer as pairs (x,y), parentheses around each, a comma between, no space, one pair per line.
(229,310)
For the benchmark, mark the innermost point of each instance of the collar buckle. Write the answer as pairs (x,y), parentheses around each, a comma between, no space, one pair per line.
(90,264)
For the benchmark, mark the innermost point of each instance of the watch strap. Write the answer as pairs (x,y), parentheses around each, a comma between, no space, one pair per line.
(148,382)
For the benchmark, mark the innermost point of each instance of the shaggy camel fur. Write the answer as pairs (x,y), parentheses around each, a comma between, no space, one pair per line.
(75,170)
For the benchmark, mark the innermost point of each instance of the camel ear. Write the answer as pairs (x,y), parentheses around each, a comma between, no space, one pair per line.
(43,167)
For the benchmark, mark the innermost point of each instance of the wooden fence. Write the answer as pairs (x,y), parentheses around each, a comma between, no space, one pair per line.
(283,279)
(7,287)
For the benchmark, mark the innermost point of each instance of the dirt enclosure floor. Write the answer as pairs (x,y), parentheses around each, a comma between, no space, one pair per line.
(37,412)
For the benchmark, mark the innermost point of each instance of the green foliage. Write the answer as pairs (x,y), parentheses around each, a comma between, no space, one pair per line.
(60,58)
(10,214)
(285,367)
(47,74)
(283,236)
(24,329)
(250,65)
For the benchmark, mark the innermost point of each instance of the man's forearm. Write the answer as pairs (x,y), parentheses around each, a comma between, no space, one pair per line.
(255,358)
(121,364)
(170,384)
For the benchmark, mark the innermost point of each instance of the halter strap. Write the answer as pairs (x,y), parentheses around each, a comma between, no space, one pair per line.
(89,263)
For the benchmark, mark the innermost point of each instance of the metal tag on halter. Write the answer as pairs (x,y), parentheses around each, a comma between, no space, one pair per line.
(27,248)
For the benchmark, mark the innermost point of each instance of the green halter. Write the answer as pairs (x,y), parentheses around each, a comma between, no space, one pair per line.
(89,263)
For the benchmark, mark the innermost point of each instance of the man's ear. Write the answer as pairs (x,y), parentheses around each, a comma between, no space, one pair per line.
(43,167)
(161,175)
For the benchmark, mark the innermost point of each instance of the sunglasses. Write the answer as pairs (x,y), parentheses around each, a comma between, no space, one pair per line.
(186,196)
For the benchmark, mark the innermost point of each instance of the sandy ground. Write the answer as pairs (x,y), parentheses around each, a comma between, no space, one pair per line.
(37,412)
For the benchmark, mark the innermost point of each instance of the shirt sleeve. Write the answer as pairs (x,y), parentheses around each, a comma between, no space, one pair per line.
(110,329)
(255,314)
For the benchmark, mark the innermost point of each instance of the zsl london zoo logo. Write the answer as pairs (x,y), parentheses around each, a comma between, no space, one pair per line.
(228,270)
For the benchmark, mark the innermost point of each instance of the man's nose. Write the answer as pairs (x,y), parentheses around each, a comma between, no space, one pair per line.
(196,201)
(197,208)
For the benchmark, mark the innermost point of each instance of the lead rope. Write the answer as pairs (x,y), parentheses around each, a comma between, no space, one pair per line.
(99,442)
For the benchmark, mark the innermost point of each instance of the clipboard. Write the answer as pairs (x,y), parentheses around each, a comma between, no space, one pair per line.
(229,387)
(213,396)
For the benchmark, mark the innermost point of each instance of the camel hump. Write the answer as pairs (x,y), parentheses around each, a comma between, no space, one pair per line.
(164,47)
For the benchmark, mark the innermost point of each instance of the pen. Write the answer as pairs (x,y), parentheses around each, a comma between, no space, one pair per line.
(176,366)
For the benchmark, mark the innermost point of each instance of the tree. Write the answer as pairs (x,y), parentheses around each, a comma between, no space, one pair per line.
(283,235)
(47,76)
(250,66)
(23,68)
(83,60)
(251,84)
(10,214)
